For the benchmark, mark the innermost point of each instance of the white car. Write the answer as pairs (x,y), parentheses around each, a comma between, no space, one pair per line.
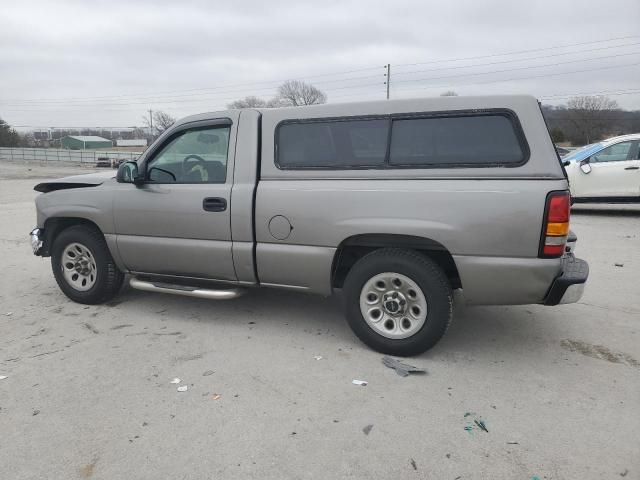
(608,171)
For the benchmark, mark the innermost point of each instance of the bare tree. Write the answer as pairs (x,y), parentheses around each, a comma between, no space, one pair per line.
(591,116)
(248,102)
(276,102)
(161,122)
(296,93)
(449,93)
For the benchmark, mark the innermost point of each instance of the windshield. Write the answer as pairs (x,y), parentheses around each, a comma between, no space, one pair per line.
(583,152)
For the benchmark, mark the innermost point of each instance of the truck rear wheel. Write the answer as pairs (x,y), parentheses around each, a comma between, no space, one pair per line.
(398,302)
(83,266)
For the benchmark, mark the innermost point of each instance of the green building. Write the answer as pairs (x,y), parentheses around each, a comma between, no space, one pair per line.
(85,142)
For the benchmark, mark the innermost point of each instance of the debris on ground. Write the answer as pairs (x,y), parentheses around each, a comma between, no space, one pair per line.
(366,430)
(2,377)
(413,464)
(175,380)
(477,424)
(624,474)
(35,412)
(360,382)
(318,357)
(216,396)
(402,369)
(480,423)
(619,264)
(513,443)
(207,373)
(183,388)
(8,314)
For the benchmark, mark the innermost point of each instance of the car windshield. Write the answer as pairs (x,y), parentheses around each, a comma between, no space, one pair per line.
(583,152)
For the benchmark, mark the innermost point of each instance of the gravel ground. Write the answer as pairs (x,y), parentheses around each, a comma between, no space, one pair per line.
(88,392)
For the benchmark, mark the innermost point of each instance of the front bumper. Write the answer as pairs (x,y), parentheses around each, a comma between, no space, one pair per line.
(37,240)
(569,285)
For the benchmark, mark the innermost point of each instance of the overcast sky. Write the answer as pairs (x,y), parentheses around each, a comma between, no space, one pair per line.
(105,63)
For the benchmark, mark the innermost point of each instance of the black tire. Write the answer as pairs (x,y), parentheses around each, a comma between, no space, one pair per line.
(421,270)
(108,278)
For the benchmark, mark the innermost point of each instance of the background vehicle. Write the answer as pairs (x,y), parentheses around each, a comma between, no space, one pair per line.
(607,171)
(397,203)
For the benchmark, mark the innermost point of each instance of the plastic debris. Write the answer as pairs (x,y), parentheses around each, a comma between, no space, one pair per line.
(318,357)
(362,383)
(2,377)
(8,314)
(183,388)
(402,369)
(477,424)
(413,464)
(366,430)
(216,396)
(35,412)
(175,380)
(480,423)
(207,373)
(619,264)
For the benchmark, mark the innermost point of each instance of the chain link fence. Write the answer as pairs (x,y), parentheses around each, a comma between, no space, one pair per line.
(89,157)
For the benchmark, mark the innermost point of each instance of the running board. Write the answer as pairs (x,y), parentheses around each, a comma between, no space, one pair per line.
(160,287)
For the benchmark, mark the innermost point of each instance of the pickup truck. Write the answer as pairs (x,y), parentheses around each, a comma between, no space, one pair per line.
(396,203)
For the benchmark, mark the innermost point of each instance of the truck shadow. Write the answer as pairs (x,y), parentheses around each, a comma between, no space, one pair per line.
(480,332)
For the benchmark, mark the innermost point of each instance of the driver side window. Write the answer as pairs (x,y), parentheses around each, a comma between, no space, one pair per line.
(615,153)
(193,156)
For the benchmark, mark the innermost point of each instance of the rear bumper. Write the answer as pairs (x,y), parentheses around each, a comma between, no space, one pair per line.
(569,285)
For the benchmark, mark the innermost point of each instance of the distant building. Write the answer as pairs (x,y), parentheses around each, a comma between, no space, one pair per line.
(85,142)
(139,142)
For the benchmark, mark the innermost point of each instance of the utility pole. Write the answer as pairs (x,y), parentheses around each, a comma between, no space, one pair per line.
(151,123)
(388,75)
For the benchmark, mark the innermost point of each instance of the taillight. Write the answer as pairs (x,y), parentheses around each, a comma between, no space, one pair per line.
(556,225)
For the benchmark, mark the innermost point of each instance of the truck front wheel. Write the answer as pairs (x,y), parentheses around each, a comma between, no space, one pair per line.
(398,302)
(83,266)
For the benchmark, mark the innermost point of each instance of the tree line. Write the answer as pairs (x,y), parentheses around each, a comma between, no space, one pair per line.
(583,120)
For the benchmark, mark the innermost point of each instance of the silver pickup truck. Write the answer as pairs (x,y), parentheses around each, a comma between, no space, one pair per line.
(396,203)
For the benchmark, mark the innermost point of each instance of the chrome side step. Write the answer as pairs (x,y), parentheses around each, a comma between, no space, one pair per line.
(211,294)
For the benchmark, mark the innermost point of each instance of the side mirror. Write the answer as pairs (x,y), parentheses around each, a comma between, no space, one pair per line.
(585,166)
(566,163)
(128,173)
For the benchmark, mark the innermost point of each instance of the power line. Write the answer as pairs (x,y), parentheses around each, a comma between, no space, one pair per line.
(155,99)
(524,78)
(470,74)
(162,93)
(276,82)
(199,99)
(517,52)
(519,60)
(518,68)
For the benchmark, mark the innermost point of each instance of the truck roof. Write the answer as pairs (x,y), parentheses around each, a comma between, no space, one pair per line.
(405,104)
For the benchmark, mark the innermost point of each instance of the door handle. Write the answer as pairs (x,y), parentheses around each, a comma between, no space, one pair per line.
(214,204)
(632,168)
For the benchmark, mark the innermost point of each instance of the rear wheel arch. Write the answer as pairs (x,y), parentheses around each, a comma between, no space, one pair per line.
(355,247)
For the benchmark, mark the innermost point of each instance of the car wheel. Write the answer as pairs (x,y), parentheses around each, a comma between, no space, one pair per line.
(398,302)
(83,266)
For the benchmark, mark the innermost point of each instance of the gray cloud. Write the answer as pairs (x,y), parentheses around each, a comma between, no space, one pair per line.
(57,58)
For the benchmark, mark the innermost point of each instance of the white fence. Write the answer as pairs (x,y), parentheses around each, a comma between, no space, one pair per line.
(61,155)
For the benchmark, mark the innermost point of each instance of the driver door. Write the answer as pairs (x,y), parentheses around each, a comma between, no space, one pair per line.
(178,221)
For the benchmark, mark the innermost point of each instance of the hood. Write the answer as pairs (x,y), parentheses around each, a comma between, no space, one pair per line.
(75,181)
